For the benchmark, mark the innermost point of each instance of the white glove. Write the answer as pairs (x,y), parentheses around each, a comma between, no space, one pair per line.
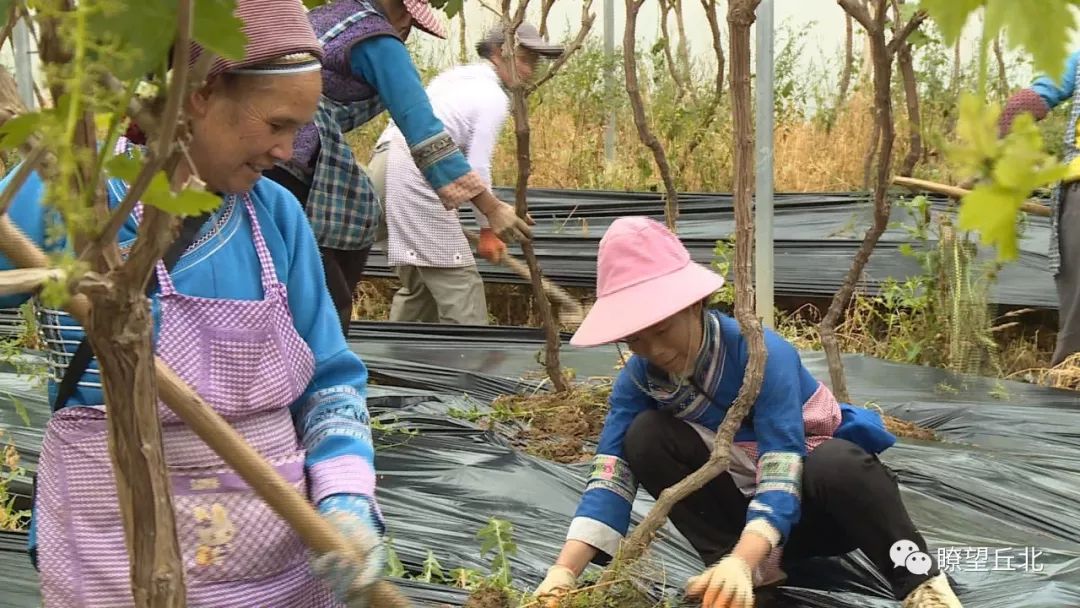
(506,224)
(727,584)
(559,580)
(350,575)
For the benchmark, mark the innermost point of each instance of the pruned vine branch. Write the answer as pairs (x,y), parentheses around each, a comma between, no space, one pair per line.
(698,136)
(519,94)
(633,91)
(882,54)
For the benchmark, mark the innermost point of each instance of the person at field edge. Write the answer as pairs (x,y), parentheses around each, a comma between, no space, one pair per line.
(1045,94)
(804,472)
(425,243)
(367,69)
(244,317)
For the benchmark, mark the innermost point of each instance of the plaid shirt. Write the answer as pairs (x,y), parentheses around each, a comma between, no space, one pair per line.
(342,205)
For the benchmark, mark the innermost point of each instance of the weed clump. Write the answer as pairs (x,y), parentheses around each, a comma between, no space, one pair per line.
(489,595)
(561,427)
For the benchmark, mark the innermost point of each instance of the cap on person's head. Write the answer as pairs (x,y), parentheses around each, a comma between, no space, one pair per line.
(280,40)
(424,17)
(527,37)
(644,275)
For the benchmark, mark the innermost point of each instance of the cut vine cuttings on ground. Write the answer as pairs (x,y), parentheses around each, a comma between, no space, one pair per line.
(565,427)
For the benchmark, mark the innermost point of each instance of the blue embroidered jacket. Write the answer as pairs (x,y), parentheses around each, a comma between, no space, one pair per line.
(775,423)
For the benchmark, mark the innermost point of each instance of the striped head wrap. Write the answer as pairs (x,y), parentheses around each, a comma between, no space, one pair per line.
(280,40)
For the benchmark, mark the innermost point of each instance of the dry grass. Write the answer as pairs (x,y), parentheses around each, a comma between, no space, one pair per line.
(1065,375)
(557,426)
(11,518)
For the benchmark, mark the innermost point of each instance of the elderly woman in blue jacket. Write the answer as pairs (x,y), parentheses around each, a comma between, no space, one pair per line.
(804,479)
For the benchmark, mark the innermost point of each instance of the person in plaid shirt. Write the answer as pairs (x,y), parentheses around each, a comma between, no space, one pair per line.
(366,70)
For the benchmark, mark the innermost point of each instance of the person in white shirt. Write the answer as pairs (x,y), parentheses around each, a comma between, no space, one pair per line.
(426,245)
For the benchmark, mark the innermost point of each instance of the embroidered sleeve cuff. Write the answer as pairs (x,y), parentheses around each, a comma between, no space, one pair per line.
(462,189)
(596,534)
(764,529)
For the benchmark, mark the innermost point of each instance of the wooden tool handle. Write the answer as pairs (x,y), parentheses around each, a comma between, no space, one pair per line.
(957,193)
(280,495)
(571,312)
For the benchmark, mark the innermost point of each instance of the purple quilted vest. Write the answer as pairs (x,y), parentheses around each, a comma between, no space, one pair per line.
(339,83)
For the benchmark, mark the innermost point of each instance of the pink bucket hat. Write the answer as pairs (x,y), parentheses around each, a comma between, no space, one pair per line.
(644,275)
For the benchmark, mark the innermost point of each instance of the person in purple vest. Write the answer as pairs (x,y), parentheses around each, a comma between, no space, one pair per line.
(368,69)
(244,317)
(804,479)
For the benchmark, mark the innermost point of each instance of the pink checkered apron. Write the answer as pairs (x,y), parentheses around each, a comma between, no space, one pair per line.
(247,361)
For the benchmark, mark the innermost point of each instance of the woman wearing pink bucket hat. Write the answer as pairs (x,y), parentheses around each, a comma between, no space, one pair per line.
(804,472)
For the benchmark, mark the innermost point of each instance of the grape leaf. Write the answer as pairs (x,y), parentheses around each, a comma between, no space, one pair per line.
(907,11)
(123,167)
(1047,39)
(976,132)
(142,28)
(5,12)
(919,39)
(951,15)
(17,130)
(991,210)
(183,203)
(453,7)
(195,202)
(218,29)
(159,194)
(313,3)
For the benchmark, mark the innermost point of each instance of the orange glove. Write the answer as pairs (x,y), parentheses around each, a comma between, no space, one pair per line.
(491,247)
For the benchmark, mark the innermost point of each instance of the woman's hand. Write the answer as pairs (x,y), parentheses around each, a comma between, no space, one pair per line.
(558,581)
(350,575)
(728,584)
(504,222)
(491,248)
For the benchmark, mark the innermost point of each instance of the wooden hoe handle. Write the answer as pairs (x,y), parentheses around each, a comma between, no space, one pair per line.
(571,311)
(954,192)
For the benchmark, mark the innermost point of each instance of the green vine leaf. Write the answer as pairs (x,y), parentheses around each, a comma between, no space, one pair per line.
(124,167)
(951,15)
(1046,39)
(497,538)
(1016,166)
(189,201)
(976,129)
(450,7)
(5,12)
(394,567)
(16,131)
(218,29)
(133,24)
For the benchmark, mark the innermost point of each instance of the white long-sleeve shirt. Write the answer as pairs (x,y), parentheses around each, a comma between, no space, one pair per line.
(472,105)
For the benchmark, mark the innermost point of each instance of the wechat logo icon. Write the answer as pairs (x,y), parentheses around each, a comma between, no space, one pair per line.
(906,554)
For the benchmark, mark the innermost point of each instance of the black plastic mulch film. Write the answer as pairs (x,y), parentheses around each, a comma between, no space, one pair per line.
(815,237)
(999,500)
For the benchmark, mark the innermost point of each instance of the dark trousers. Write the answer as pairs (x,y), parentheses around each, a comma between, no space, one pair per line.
(1067,279)
(344,268)
(849,499)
